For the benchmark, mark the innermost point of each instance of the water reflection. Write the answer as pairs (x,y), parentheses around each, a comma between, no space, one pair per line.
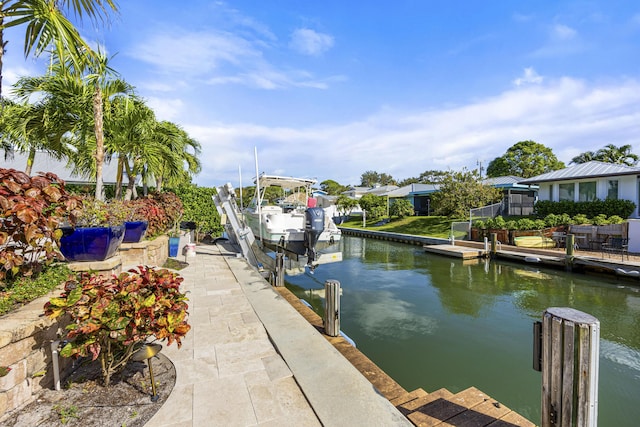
(387,317)
(433,322)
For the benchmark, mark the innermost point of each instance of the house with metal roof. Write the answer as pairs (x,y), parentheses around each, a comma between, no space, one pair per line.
(420,197)
(589,181)
(518,198)
(377,190)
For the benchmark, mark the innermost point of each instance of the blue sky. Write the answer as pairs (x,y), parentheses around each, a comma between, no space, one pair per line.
(332,89)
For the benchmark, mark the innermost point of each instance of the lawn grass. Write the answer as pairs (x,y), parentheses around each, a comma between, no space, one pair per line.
(434,226)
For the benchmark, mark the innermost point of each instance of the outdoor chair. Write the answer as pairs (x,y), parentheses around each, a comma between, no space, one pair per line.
(560,238)
(616,245)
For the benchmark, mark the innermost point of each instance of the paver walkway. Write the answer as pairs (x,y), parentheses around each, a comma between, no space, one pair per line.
(228,372)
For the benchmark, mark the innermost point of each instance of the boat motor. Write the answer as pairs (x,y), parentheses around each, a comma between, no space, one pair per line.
(313,227)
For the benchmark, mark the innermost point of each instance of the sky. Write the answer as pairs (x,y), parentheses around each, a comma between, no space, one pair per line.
(332,89)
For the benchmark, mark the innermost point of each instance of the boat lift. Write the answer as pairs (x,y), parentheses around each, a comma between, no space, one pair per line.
(238,232)
(241,234)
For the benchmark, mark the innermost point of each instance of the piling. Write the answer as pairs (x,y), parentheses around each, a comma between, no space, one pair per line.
(569,362)
(494,244)
(332,308)
(570,244)
(279,269)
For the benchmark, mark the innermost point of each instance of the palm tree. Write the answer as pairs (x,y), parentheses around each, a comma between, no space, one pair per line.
(585,157)
(182,151)
(104,86)
(620,155)
(130,124)
(47,26)
(27,128)
(155,150)
(80,99)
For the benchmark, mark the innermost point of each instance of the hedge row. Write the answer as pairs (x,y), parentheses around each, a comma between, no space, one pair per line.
(551,220)
(621,208)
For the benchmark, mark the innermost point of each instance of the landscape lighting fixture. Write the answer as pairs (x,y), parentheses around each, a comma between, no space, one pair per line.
(146,352)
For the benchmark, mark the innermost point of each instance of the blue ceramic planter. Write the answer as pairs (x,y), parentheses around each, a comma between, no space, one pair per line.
(134,231)
(174,242)
(91,243)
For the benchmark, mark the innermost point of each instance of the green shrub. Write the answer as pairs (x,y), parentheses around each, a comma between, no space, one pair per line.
(496,223)
(401,208)
(565,219)
(26,289)
(376,212)
(615,219)
(581,219)
(600,220)
(609,207)
(552,220)
(511,225)
(539,224)
(526,224)
(199,208)
(478,223)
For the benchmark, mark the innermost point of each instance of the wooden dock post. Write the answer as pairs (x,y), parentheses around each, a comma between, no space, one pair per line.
(570,346)
(570,244)
(279,269)
(332,308)
(494,244)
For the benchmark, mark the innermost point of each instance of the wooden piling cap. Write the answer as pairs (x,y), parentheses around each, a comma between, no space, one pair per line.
(572,315)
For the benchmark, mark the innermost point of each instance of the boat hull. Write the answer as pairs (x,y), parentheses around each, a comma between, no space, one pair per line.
(287,230)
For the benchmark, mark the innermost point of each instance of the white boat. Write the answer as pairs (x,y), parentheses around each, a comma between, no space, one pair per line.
(293,222)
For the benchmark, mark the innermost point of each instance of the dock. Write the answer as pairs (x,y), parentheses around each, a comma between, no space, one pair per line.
(472,251)
(463,252)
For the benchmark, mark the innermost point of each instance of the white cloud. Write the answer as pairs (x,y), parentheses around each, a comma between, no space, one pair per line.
(562,41)
(221,58)
(529,76)
(522,17)
(568,115)
(194,53)
(310,42)
(10,75)
(563,32)
(165,109)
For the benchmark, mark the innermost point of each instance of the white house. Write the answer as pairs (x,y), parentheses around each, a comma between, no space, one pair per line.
(589,181)
(377,190)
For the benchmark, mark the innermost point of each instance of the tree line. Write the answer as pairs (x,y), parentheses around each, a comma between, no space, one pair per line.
(460,191)
(524,159)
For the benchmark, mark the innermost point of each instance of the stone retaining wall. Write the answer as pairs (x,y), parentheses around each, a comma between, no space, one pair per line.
(148,252)
(25,347)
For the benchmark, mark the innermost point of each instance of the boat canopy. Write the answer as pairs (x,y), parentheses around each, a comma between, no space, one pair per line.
(286,182)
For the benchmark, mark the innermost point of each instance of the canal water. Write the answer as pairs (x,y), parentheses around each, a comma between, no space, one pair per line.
(435,322)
